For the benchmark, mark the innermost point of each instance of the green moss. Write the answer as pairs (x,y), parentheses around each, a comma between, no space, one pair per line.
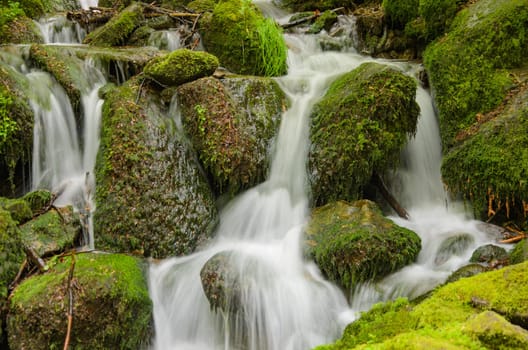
(18,208)
(54,231)
(38,200)
(400,12)
(466,66)
(11,251)
(360,125)
(451,318)
(325,21)
(111,282)
(118,29)
(490,167)
(519,253)
(312,5)
(354,243)
(243,40)
(16,142)
(181,66)
(151,197)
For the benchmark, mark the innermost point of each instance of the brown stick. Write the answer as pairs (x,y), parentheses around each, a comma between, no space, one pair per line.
(513,239)
(35,258)
(378,182)
(70,307)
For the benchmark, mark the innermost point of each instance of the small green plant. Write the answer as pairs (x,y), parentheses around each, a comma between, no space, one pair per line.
(7,125)
(202,118)
(10,12)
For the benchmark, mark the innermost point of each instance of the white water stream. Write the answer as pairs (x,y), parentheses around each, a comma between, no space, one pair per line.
(285,302)
(63,162)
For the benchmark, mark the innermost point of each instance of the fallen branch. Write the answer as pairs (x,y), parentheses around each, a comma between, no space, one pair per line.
(378,182)
(34,258)
(520,235)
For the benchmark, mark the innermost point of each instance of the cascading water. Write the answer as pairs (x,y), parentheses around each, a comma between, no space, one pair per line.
(59,30)
(59,162)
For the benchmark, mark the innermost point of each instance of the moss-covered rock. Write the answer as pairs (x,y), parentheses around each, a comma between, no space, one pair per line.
(495,332)
(360,125)
(21,30)
(451,318)
(354,243)
(151,195)
(52,232)
(466,271)
(111,305)
(16,131)
(118,29)
(39,201)
(231,124)
(18,208)
(201,6)
(244,40)
(467,66)
(325,21)
(519,253)
(399,12)
(181,66)
(490,254)
(454,245)
(490,165)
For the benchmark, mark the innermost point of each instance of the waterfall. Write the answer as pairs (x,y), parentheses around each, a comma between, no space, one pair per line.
(436,219)
(60,162)
(59,30)
(165,40)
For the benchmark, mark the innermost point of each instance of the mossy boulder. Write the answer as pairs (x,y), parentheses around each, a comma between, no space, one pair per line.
(39,201)
(11,257)
(354,242)
(519,253)
(116,31)
(244,40)
(16,140)
(456,316)
(489,254)
(111,305)
(399,12)
(231,124)
(358,127)
(490,165)
(181,66)
(454,245)
(221,283)
(467,66)
(52,232)
(151,195)
(18,208)
(466,271)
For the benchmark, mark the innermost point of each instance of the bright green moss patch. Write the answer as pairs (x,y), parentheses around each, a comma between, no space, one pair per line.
(112,283)
(118,29)
(520,252)
(181,66)
(244,41)
(11,252)
(359,126)
(451,318)
(400,12)
(354,243)
(466,66)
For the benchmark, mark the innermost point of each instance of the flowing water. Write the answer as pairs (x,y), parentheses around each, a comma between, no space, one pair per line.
(64,162)
(283,302)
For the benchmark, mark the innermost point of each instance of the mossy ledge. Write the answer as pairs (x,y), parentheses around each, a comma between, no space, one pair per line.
(453,317)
